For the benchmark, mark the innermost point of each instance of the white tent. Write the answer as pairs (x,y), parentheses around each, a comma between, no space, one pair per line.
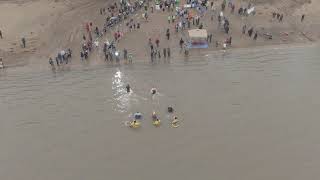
(198,38)
(198,34)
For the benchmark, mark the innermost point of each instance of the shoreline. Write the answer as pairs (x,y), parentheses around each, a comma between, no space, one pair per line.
(145,61)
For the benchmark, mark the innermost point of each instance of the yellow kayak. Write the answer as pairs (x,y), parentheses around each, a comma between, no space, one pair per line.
(156,123)
(135,124)
(175,123)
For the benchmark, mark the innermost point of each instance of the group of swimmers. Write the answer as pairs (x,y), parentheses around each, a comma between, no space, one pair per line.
(135,123)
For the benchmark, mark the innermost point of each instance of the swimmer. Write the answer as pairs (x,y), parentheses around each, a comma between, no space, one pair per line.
(175,118)
(154,116)
(128,88)
(170,109)
(137,115)
(153,91)
(175,122)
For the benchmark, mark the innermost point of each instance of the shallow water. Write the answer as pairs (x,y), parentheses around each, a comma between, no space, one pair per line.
(245,115)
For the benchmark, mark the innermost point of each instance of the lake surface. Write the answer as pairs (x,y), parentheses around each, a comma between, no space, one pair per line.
(249,114)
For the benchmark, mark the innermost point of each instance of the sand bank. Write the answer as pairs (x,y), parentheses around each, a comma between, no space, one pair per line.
(52,25)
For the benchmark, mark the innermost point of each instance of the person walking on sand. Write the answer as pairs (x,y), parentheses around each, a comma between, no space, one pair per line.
(168,52)
(23,40)
(1,34)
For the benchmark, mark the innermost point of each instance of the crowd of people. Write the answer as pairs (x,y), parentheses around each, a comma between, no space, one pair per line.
(63,57)
(180,18)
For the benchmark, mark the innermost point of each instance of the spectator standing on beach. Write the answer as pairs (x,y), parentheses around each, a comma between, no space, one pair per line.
(168,34)
(255,36)
(210,37)
(232,8)
(1,64)
(250,31)
(181,43)
(130,58)
(164,52)
(57,61)
(244,28)
(1,34)
(151,55)
(168,52)
(157,42)
(23,40)
(302,18)
(106,56)
(51,62)
(125,54)
(81,55)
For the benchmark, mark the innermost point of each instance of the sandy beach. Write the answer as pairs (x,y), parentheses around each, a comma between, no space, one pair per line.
(52,25)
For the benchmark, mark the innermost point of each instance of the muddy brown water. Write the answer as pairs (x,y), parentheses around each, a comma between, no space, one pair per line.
(245,115)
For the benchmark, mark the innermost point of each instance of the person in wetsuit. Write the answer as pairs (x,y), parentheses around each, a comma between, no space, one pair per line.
(128,88)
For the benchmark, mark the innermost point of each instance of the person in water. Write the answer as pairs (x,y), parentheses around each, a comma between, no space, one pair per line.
(170,109)
(154,116)
(155,119)
(153,91)
(128,88)
(137,115)
(175,121)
